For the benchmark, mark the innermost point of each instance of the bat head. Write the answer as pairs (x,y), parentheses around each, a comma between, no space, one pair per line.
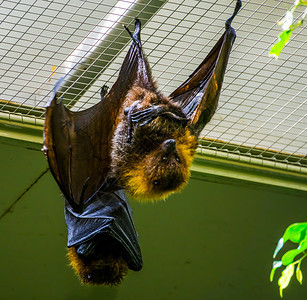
(162,172)
(98,265)
(156,163)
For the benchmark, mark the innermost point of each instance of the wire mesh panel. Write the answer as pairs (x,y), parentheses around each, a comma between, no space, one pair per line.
(262,109)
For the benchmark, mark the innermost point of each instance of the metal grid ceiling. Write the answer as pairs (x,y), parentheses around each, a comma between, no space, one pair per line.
(262,110)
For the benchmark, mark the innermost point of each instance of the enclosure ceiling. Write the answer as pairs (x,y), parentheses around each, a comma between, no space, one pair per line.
(262,109)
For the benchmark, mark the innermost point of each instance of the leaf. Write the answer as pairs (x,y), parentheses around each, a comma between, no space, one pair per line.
(276,265)
(286,21)
(290,255)
(303,245)
(299,274)
(280,244)
(283,40)
(295,232)
(285,278)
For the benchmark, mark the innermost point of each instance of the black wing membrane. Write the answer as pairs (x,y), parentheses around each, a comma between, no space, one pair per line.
(108,216)
(78,144)
(198,95)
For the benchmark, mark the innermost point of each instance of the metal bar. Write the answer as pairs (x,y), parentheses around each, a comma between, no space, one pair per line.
(79,79)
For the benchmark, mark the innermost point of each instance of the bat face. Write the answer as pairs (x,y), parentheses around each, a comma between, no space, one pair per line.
(156,162)
(161,171)
(103,264)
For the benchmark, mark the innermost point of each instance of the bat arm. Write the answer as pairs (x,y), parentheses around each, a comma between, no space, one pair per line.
(148,114)
(211,91)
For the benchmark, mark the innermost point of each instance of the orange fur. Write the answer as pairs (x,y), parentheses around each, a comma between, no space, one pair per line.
(102,270)
(148,97)
(139,179)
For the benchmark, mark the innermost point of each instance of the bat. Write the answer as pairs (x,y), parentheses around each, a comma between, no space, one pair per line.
(156,138)
(135,140)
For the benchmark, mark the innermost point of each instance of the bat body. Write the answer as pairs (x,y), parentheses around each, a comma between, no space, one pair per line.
(152,160)
(134,140)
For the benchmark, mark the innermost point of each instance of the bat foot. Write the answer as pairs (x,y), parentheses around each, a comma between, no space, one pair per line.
(136,36)
(237,8)
(137,30)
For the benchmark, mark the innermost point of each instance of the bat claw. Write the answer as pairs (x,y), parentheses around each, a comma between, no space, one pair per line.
(103,91)
(129,111)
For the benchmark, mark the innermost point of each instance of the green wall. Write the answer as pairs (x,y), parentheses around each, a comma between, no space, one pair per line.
(212,241)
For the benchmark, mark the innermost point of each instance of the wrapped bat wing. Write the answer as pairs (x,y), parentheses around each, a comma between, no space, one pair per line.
(102,239)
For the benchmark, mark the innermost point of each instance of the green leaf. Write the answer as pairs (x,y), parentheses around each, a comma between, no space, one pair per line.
(303,245)
(290,255)
(276,265)
(299,274)
(283,40)
(285,278)
(295,232)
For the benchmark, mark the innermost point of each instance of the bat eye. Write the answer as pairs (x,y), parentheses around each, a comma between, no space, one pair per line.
(156,182)
(177,159)
(164,158)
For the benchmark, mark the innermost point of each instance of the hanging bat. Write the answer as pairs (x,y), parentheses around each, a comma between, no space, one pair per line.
(134,140)
(156,136)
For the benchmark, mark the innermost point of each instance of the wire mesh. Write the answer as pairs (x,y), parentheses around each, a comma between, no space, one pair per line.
(262,109)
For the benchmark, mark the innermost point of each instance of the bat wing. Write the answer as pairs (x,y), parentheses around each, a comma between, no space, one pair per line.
(198,95)
(77,144)
(108,216)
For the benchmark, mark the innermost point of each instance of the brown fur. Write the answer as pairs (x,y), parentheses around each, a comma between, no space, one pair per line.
(139,165)
(107,270)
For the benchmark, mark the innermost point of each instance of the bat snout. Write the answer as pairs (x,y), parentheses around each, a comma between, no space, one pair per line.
(169,146)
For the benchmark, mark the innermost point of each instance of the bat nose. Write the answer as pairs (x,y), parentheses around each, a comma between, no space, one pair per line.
(169,146)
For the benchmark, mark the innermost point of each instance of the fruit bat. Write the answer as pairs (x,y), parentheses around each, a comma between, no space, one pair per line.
(134,140)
